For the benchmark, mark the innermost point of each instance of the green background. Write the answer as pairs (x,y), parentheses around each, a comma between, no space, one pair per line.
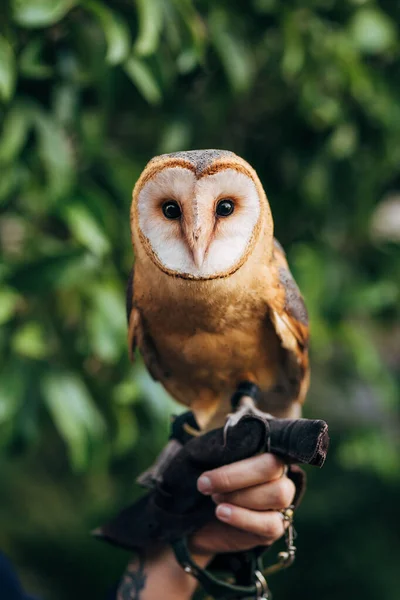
(309,93)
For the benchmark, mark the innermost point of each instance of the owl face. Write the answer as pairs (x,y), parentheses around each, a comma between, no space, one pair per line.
(197,221)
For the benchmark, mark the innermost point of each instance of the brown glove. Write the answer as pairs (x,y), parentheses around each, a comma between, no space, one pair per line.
(175,508)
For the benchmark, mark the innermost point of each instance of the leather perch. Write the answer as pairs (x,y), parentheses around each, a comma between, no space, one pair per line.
(174,508)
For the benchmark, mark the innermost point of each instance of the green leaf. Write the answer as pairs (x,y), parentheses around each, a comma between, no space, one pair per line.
(343,141)
(294,55)
(8,304)
(233,52)
(150,14)
(372,451)
(60,271)
(115,30)
(15,131)
(107,322)
(7,70)
(364,351)
(195,24)
(74,414)
(11,390)
(315,184)
(265,6)
(310,270)
(187,60)
(56,153)
(127,431)
(374,297)
(126,393)
(141,75)
(40,13)
(176,135)
(9,180)
(30,341)
(372,31)
(30,61)
(85,229)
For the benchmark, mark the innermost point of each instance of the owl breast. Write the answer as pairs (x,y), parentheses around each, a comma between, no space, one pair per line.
(203,359)
(219,360)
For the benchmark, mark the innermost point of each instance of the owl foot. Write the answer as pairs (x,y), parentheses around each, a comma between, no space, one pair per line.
(244,403)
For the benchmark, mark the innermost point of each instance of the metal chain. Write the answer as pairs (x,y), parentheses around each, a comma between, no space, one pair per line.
(263,592)
(285,558)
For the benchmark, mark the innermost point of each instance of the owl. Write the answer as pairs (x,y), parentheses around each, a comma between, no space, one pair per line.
(211,302)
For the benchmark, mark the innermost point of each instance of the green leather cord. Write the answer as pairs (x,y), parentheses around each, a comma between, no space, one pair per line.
(217,588)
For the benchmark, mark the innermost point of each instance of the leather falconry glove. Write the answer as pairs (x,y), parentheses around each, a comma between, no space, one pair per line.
(174,508)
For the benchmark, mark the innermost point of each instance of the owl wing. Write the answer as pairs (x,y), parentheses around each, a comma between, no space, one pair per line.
(288,315)
(137,335)
(133,317)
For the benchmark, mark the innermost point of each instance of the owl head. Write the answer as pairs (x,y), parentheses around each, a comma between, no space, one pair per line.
(198,214)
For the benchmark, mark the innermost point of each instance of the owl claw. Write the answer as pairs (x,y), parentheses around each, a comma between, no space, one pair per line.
(246,407)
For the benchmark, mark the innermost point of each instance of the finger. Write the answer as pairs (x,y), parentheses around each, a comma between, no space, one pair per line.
(268,525)
(242,474)
(266,496)
(217,537)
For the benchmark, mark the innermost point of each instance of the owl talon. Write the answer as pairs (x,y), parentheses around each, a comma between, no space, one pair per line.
(246,407)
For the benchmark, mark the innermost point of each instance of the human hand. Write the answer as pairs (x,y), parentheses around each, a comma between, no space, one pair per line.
(253,490)
(248,495)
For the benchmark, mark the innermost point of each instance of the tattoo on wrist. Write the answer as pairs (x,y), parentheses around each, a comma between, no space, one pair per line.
(133,581)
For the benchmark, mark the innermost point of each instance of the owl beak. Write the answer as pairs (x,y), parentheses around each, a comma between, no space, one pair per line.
(198,245)
(198,255)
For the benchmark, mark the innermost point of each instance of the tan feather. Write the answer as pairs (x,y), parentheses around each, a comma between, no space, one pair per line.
(290,319)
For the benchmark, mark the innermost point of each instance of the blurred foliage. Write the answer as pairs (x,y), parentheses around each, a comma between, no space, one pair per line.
(308,91)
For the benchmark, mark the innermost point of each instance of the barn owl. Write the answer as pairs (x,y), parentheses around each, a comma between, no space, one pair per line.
(211,302)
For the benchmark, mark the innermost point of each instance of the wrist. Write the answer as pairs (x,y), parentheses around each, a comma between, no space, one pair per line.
(200,555)
(158,570)
(165,555)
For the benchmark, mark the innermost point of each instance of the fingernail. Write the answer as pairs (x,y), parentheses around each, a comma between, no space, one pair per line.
(204,484)
(217,498)
(223,512)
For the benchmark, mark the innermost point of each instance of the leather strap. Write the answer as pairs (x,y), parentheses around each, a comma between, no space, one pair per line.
(218,588)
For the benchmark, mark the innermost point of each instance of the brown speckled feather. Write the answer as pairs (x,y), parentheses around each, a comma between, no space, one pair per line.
(290,319)
(137,335)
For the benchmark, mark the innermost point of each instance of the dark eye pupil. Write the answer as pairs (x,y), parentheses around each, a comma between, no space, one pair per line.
(171,210)
(225,208)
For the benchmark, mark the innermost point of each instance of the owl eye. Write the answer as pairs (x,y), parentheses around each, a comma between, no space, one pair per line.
(171,209)
(225,207)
